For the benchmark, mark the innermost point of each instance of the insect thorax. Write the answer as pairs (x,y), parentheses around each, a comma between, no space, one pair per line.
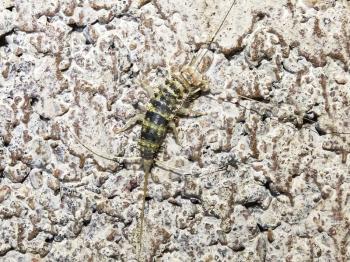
(186,84)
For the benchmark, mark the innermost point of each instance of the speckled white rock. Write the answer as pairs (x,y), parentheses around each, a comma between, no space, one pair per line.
(264,173)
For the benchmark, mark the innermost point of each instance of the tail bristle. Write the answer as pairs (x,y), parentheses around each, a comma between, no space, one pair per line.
(142,215)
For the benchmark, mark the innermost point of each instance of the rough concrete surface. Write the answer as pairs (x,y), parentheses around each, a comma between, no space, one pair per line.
(263,176)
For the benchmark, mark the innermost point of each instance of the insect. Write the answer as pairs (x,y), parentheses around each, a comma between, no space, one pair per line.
(161,110)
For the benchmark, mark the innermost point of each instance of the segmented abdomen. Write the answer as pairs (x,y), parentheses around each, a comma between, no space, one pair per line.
(160,111)
(152,134)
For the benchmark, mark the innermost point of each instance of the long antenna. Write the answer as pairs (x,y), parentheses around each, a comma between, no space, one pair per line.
(214,36)
(274,117)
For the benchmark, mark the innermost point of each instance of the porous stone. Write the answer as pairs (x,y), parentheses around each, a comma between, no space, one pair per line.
(261,176)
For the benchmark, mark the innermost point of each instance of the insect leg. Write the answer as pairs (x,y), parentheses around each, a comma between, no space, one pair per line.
(189,112)
(184,172)
(172,126)
(131,123)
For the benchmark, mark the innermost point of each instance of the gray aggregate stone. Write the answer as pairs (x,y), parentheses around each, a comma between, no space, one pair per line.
(262,176)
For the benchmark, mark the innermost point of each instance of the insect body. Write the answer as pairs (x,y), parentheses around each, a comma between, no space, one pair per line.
(168,102)
(163,107)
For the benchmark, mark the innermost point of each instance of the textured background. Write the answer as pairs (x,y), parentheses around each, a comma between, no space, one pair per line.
(281,187)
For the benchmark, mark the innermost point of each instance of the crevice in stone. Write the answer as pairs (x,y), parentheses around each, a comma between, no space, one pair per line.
(3,41)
